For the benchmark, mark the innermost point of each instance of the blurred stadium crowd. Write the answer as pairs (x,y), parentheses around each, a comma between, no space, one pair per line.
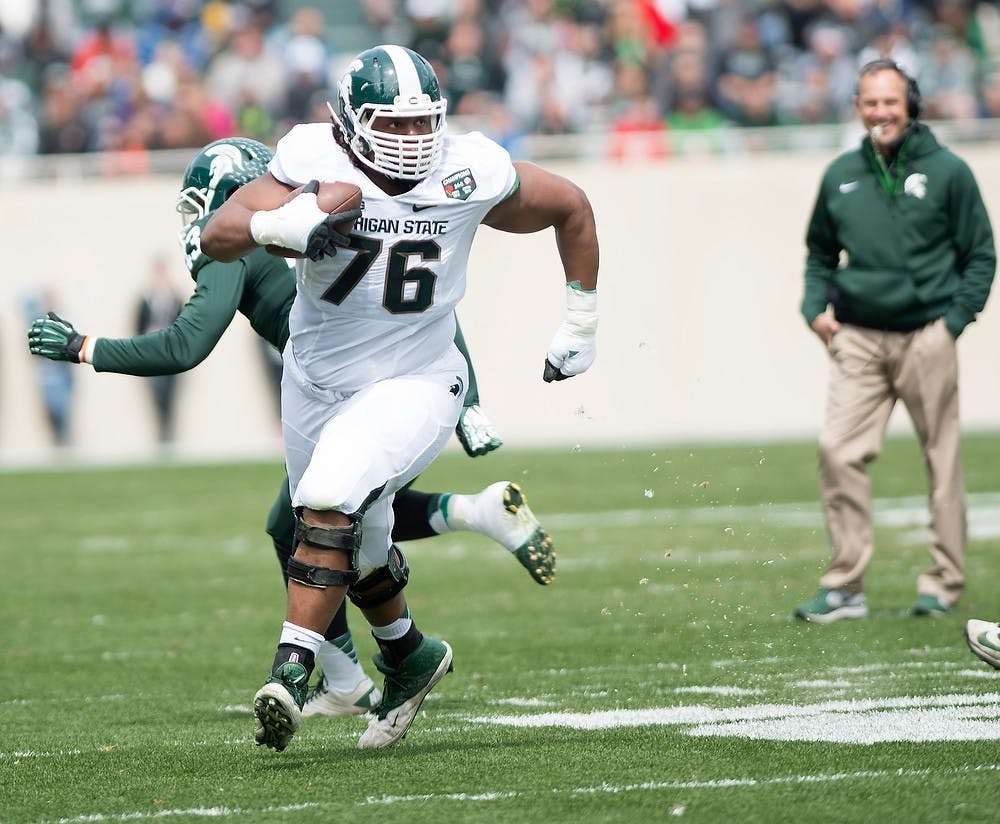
(131,76)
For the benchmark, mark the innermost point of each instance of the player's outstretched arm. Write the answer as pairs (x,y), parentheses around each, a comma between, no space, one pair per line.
(544,199)
(179,347)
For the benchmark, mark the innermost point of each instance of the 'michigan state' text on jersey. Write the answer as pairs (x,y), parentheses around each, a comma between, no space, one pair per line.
(385,306)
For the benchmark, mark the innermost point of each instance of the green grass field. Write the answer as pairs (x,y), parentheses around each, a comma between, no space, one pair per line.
(660,677)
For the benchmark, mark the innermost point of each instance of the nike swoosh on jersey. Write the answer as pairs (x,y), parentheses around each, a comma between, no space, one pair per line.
(850,186)
(417,208)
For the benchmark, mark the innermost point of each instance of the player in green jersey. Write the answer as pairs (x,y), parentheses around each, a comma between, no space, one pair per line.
(262,288)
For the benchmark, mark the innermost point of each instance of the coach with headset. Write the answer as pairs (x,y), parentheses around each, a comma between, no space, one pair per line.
(900,260)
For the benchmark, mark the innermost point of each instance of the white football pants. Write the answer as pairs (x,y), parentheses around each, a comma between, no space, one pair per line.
(340,449)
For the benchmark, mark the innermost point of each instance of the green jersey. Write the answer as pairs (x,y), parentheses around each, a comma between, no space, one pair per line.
(260,286)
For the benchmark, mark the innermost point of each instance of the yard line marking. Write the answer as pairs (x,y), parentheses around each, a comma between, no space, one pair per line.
(13,756)
(397,799)
(859,721)
(937,724)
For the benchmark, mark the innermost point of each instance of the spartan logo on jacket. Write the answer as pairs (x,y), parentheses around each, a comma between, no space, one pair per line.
(915,186)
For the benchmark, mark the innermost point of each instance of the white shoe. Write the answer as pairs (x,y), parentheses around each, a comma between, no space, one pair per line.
(983,638)
(325,700)
(501,512)
(406,686)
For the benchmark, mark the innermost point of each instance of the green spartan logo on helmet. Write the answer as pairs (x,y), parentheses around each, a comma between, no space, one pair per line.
(218,170)
(392,82)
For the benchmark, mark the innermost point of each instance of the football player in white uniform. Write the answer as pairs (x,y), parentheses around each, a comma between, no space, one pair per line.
(373,383)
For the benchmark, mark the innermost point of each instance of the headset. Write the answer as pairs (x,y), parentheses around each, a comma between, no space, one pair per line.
(914,103)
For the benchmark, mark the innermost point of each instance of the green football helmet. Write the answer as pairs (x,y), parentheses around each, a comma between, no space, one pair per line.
(218,170)
(395,82)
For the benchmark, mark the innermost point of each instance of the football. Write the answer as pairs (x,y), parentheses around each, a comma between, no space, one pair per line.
(333,196)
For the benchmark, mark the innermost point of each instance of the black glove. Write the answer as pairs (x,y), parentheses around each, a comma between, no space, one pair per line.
(54,338)
(551,373)
(325,238)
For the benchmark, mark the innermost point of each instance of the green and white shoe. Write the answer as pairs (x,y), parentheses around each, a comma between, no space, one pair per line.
(277,706)
(404,691)
(501,512)
(536,553)
(829,605)
(325,700)
(983,638)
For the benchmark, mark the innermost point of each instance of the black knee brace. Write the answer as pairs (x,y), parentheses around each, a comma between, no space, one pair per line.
(382,584)
(346,539)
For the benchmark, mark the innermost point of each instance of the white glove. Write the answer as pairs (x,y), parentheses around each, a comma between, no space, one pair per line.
(574,345)
(476,432)
(290,225)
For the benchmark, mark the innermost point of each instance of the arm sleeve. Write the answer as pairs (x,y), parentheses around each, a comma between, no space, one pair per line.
(822,259)
(976,254)
(189,339)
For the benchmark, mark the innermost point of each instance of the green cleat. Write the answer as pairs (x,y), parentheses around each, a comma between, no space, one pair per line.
(929,605)
(277,706)
(829,605)
(536,554)
(404,691)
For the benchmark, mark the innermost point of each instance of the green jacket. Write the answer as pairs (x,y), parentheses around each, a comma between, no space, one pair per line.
(917,244)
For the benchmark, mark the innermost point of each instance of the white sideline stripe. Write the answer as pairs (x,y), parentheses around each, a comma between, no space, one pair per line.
(196,812)
(726,783)
(607,789)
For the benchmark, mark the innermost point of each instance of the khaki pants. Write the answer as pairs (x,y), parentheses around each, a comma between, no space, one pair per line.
(869,371)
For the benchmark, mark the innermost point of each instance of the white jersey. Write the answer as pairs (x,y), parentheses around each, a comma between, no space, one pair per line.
(385,307)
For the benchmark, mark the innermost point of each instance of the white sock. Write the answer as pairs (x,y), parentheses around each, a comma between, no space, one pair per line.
(341,672)
(397,629)
(455,511)
(300,637)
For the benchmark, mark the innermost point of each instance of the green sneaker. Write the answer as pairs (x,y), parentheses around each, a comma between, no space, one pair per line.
(929,605)
(277,706)
(829,605)
(983,638)
(404,691)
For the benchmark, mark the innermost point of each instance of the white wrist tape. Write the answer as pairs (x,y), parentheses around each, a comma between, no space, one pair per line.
(289,225)
(581,310)
(87,350)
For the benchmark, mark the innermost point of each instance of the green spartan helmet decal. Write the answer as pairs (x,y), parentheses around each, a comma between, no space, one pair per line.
(217,171)
(392,82)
